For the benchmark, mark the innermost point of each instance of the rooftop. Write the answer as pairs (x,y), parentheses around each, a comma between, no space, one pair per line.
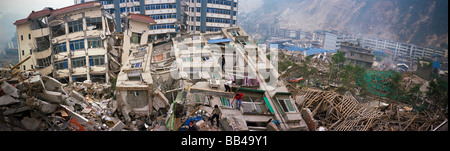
(76,7)
(141,18)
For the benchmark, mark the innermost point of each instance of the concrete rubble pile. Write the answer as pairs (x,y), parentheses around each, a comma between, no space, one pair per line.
(41,103)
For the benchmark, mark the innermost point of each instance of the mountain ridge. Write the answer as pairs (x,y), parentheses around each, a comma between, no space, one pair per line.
(420,22)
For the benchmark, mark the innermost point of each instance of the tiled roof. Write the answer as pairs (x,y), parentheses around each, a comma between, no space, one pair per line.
(40,13)
(22,21)
(75,7)
(141,18)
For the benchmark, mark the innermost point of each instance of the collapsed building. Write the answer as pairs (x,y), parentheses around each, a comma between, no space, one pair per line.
(188,77)
(72,44)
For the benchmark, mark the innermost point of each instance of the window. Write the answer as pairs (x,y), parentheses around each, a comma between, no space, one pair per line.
(31,52)
(77,44)
(42,43)
(136,65)
(75,26)
(352,54)
(21,37)
(58,30)
(24,67)
(45,62)
(61,64)
(136,38)
(23,53)
(59,48)
(162,26)
(163,16)
(29,36)
(78,62)
(96,60)
(286,105)
(94,23)
(95,42)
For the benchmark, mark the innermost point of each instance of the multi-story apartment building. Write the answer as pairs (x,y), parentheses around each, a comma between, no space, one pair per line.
(209,15)
(398,49)
(357,55)
(173,16)
(68,43)
(167,14)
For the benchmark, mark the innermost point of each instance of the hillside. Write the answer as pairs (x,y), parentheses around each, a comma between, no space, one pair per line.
(420,22)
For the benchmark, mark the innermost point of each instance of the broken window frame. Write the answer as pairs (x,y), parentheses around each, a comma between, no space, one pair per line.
(76,45)
(58,48)
(97,60)
(75,26)
(136,38)
(97,22)
(63,64)
(58,30)
(78,62)
(43,63)
(38,23)
(42,43)
(286,105)
(96,42)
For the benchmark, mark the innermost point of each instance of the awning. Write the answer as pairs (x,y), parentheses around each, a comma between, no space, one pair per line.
(219,41)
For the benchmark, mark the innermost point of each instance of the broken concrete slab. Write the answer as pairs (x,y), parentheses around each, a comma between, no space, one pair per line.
(9,89)
(35,82)
(118,127)
(7,100)
(51,84)
(18,110)
(78,117)
(48,108)
(51,97)
(31,124)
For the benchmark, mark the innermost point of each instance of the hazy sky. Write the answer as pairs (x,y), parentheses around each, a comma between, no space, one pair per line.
(12,10)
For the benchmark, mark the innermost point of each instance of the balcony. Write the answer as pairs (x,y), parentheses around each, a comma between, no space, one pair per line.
(46,70)
(40,32)
(42,54)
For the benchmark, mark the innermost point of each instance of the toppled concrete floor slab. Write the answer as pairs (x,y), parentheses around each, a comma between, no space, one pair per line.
(7,100)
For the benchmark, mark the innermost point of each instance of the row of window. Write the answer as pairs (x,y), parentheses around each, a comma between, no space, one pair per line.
(223,2)
(45,62)
(163,16)
(78,44)
(75,26)
(129,9)
(81,62)
(219,20)
(126,1)
(213,29)
(162,26)
(220,11)
(161,6)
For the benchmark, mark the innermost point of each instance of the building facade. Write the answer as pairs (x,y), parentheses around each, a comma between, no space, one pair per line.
(174,16)
(210,15)
(68,43)
(357,55)
(398,49)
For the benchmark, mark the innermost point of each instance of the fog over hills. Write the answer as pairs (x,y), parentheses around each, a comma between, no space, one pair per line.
(420,22)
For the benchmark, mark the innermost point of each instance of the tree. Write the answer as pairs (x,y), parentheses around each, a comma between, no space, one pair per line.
(396,92)
(338,59)
(415,95)
(437,91)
